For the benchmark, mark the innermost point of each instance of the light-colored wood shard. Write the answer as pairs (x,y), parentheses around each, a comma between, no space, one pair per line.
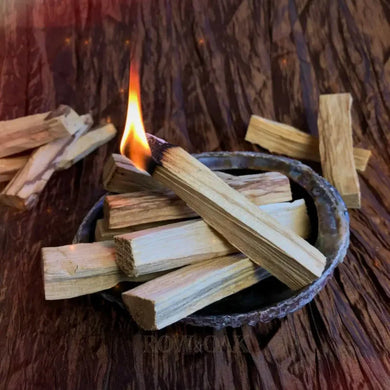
(284,139)
(22,192)
(279,250)
(171,297)
(79,269)
(9,166)
(86,144)
(335,135)
(31,131)
(121,176)
(146,207)
(179,244)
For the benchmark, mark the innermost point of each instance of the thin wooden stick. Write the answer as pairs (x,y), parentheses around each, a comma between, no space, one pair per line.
(79,269)
(137,208)
(179,244)
(9,166)
(335,134)
(284,139)
(171,297)
(280,251)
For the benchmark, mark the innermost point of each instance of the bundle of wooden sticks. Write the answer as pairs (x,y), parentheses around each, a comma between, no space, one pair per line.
(193,237)
(33,147)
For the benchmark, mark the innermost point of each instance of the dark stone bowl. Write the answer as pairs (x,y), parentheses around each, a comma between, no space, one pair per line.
(268,299)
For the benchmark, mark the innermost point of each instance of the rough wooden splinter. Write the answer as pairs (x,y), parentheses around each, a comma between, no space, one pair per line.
(9,166)
(121,176)
(335,135)
(146,207)
(31,131)
(284,139)
(183,243)
(79,269)
(86,144)
(280,251)
(22,192)
(171,297)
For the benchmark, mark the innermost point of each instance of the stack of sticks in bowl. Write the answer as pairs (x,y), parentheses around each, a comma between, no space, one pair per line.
(149,234)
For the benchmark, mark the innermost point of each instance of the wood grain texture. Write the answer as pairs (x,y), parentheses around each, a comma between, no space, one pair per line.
(9,166)
(207,67)
(335,142)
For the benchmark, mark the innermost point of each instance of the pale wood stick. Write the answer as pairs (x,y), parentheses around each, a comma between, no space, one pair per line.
(9,166)
(171,297)
(79,269)
(179,244)
(102,233)
(121,176)
(284,139)
(86,144)
(280,251)
(335,135)
(146,207)
(31,131)
(22,192)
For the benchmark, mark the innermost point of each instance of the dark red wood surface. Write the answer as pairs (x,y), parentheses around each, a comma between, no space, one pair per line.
(206,66)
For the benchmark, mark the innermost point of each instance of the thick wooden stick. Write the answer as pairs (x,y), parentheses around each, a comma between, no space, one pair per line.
(171,297)
(22,192)
(283,139)
(74,270)
(335,135)
(280,251)
(183,243)
(31,131)
(145,207)
(9,166)
(121,176)
(86,144)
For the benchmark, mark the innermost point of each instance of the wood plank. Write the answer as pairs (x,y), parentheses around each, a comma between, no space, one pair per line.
(287,140)
(79,269)
(335,135)
(137,208)
(31,131)
(171,297)
(179,244)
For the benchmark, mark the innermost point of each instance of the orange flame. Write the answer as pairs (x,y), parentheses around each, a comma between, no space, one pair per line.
(134,144)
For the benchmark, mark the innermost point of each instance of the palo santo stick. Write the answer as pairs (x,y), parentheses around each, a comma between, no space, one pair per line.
(102,233)
(335,135)
(9,166)
(183,243)
(86,144)
(171,297)
(31,131)
(146,207)
(73,270)
(120,176)
(280,251)
(23,190)
(283,139)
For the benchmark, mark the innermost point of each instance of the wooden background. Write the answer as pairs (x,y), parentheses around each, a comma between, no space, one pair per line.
(206,66)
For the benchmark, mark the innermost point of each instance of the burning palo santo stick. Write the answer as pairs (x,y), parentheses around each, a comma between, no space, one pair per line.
(121,176)
(31,131)
(22,192)
(136,208)
(171,297)
(179,244)
(86,144)
(280,251)
(284,139)
(9,166)
(74,270)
